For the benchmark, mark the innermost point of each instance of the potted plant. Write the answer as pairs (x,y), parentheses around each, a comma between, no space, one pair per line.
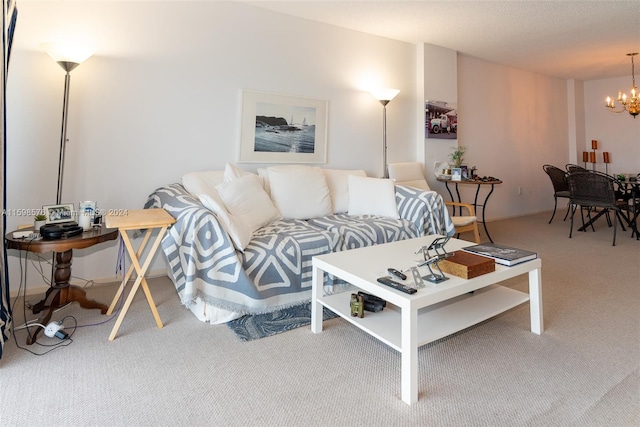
(457,156)
(39,221)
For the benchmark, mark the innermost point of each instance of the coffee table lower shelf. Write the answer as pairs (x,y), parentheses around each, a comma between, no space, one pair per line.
(436,321)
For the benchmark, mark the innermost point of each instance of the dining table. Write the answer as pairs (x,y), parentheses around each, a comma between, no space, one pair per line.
(631,186)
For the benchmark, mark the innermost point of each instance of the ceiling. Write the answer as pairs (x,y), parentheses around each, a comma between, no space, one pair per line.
(583,40)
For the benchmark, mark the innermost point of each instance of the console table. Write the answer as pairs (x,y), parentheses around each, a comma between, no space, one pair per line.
(476,205)
(61,292)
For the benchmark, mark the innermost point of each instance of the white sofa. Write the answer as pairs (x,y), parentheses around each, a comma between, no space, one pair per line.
(243,242)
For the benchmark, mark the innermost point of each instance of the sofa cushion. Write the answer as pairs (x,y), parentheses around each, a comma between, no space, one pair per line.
(247,202)
(338,182)
(365,230)
(264,176)
(202,182)
(372,196)
(299,192)
(232,172)
(280,254)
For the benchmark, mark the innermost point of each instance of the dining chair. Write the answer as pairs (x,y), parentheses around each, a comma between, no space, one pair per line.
(570,167)
(593,190)
(411,174)
(560,187)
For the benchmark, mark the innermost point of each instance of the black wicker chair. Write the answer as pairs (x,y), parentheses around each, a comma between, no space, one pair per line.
(594,190)
(560,187)
(570,167)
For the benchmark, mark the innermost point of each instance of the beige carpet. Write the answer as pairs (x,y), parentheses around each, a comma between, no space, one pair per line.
(583,371)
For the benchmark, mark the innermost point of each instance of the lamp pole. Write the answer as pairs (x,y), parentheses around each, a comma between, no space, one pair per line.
(385,168)
(67,66)
(384,96)
(68,57)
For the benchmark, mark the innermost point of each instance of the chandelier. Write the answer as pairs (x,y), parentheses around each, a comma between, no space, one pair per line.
(632,104)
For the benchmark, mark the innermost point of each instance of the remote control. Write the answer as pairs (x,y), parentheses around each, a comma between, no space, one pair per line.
(397,273)
(395,285)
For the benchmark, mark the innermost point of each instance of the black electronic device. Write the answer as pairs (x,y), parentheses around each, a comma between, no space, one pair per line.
(397,273)
(372,303)
(59,231)
(397,285)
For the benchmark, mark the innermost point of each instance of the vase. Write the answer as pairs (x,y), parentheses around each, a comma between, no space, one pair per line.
(38,224)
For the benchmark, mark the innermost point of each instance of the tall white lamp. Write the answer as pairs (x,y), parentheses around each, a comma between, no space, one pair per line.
(384,96)
(68,57)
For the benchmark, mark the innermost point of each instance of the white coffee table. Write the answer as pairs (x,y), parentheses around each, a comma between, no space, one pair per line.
(440,310)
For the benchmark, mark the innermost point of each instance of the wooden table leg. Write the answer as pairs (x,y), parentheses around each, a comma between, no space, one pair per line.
(140,280)
(61,293)
(127,276)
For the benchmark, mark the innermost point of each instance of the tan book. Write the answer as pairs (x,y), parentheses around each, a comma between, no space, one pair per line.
(467,265)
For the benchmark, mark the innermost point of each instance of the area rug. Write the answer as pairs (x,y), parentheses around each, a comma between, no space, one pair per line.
(253,327)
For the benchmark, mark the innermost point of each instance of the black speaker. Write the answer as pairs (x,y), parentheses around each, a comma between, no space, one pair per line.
(58,231)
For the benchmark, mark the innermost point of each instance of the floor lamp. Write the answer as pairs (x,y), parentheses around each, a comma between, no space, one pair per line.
(68,57)
(384,96)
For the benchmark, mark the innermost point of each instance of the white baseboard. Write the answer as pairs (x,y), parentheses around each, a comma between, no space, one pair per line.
(37,290)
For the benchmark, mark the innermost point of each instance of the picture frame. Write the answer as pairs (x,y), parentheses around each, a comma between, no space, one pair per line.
(456,174)
(59,213)
(282,129)
(465,171)
(440,120)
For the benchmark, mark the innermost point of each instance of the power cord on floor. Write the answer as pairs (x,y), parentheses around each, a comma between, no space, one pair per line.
(55,329)
(58,333)
(52,330)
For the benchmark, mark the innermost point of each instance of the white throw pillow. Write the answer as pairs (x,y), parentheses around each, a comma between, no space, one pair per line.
(245,200)
(232,172)
(202,182)
(236,229)
(338,183)
(372,196)
(264,176)
(299,192)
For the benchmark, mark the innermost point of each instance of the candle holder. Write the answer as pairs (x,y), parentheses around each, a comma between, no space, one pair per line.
(606,159)
(585,158)
(592,156)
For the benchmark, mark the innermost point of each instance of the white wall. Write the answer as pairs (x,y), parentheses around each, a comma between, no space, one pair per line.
(440,84)
(619,134)
(161,97)
(512,122)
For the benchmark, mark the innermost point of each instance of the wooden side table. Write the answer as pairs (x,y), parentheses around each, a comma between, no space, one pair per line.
(61,292)
(141,219)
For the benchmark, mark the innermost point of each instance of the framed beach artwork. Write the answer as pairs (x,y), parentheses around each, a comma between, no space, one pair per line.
(282,129)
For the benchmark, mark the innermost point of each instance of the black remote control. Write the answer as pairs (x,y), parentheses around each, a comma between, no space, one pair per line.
(395,285)
(398,274)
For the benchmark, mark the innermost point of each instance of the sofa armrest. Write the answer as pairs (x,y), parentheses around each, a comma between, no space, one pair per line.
(425,209)
(196,230)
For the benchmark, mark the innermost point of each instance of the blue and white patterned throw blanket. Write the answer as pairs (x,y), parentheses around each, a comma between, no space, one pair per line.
(274,271)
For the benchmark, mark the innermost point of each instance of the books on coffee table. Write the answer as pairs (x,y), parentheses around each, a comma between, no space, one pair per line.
(505,255)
